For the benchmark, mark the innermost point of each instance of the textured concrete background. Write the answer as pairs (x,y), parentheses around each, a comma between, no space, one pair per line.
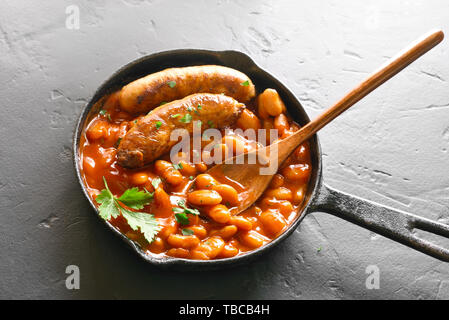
(392,148)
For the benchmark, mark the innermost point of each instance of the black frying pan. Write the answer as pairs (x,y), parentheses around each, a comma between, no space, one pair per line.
(394,224)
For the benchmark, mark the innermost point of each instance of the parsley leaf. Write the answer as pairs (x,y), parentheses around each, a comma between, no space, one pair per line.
(187,118)
(110,207)
(107,207)
(146,222)
(171,84)
(245,84)
(155,182)
(102,112)
(187,232)
(182,218)
(181,213)
(194,212)
(135,199)
(210,123)
(175,115)
(178,210)
(158,124)
(178,166)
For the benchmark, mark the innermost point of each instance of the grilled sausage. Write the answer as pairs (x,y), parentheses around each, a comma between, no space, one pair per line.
(146,93)
(150,136)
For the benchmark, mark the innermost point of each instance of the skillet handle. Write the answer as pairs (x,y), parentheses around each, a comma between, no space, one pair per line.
(391,223)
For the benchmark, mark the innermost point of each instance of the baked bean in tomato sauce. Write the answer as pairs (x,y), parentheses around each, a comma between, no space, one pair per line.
(215,234)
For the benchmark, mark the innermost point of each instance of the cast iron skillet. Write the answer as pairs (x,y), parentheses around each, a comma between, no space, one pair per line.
(394,224)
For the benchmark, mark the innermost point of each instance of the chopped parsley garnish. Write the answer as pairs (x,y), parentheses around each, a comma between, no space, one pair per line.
(210,123)
(181,218)
(177,166)
(182,204)
(319,249)
(199,107)
(158,124)
(191,177)
(186,119)
(175,115)
(171,84)
(187,232)
(117,143)
(111,207)
(181,213)
(155,182)
(245,84)
(102,112)
(189,109)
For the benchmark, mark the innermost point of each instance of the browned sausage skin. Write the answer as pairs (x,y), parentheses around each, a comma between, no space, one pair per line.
(144,94)
(150,136)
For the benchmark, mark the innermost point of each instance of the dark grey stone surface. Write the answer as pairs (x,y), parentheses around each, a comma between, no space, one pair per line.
(392,148)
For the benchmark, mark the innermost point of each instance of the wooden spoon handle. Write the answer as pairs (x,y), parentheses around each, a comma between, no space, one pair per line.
(387,71)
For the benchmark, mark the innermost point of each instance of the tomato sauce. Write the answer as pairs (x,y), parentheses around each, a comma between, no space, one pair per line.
(213,234)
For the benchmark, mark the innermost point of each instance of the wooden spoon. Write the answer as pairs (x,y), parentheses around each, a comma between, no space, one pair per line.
(249,176)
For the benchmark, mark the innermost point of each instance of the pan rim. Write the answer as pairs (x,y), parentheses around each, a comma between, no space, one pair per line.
(178,262)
